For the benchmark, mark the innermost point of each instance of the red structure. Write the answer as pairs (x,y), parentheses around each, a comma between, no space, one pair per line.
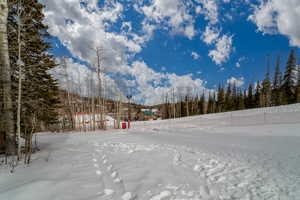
(123,125)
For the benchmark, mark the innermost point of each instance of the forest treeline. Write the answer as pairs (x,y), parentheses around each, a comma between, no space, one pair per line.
(279,89)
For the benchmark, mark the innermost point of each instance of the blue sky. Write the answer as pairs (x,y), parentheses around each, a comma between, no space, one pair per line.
(157,46)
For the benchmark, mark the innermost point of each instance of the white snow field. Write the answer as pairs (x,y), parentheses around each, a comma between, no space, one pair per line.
(247,155)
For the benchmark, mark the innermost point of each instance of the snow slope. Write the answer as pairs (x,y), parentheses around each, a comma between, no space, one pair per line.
(250,155)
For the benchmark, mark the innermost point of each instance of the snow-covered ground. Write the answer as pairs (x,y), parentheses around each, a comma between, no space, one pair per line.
(249,155)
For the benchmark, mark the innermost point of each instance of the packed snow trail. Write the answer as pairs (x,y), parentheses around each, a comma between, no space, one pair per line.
(206,157)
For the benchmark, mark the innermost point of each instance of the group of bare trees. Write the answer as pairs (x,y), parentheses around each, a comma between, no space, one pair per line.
(86,102)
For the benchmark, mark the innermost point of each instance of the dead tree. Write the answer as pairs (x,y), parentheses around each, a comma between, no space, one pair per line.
(99,53)
(69,106)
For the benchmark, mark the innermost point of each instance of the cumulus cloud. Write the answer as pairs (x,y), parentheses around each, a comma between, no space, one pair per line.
(238,82)
(223,49)
(210,10)
(278,17)
(240,60)
(82,26)
(210,35)
(195,55)
(147,86)
(173,13)
(153,86)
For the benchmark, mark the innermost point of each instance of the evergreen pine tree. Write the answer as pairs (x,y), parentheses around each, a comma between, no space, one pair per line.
(289,79)
(201,104)
(249,98)
(211,103)
(298,86)
(40,90)
(257,96)
(221,99)
(228,98)
(277,93)
(234,97)
(266,91)
(241,102)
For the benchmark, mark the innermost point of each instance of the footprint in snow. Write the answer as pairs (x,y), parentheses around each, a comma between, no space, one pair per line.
(114,174)
(96,165)
(109,168)
(117,180)
(98,172)
(163,195)
(128,196)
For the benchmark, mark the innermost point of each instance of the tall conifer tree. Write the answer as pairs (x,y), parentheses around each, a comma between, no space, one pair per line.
(289,80)
(40,89)
(277,93)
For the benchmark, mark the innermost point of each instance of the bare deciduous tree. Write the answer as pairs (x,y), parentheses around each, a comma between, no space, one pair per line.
(6,82)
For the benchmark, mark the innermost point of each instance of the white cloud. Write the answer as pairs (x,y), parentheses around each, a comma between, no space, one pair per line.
(210,10)
(279,16)
(148,86)
(189,31)
(152,86)
(87,30)
(210,35)
(223,49)
(195,55)
(241,59)
(221,69)
(237,81)
(173,13)
(198,9)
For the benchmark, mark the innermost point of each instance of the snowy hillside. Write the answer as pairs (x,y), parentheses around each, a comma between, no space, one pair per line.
(249,155)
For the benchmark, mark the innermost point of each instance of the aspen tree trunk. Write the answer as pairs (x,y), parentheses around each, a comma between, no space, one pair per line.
(104,104)
(100,86)
(93,114)
(69,105)
(119,112)
(187,107)
(174,103)
(20,83)
(6,79)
